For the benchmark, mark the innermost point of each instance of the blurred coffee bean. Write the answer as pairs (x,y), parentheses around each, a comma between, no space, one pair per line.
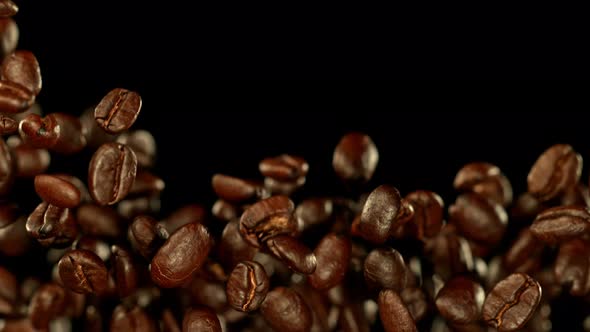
(478,219)
(355,158)
(284,310)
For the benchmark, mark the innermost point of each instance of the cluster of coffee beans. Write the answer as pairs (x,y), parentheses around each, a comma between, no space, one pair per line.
(265,257)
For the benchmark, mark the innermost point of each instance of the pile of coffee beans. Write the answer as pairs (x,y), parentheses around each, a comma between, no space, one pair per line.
(265,256)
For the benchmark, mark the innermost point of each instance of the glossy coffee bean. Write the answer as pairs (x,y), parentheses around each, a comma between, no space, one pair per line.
(478,219)
(428,213)
(247,286)
(22,67)
(8,125)
(268,218)
(28,161)
(47,304)
(284,167)
(76,182)
(52,225)
(561,223)
(82,271)
(512,302)
(314,211)
(236,190)
(111,173)
(8,8)
(56,191)
(394,314)
(7,171)
(130,208)
(285,310)
(572,266)
(293,253)
(9,34)
(14,98)
(233,248)
(143,143)
(200,319)
(132,320)
(181,256)
(101,221)
(449,252)
(118,110)
(525,247)
(126,277)
(460,301)
(143,237)
(333,258)
(380,214)
(59,132)
(191,213)
(485,180)
(385,268)
(415,300)
(96,245)
(224,211)
(287,188)
(9,291)
(557,169)
(355,157)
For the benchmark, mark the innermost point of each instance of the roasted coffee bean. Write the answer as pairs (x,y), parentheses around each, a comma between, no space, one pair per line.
(207,292)
(561,223)
(52,225)
(428,213)
(94,134)
(142,236)
(576,195)
(76,182)
(524,248)
(185,215)
(83,271)
(460,300)
(28,161)
(181,256)
(118,110)
(143,144)
(9,34)
(200,319)
(146,183)
(101,221)
(395,317)
(485,180)
(512,302)
(111,173)
(97,246)
(355,158)
(449,252)
(416,302)
(385,268)
(8,8)
(14,98)
(56,191)
(287,188)
(525,208)
(557,169)
(247,286)
(314,211)
(8,292)
(268,218)
(125,271)
(224,211)
(7,171)
(132,320)
(284,310)
(93,321)
(478,219)
(22,67)
(132,207)
(14,240)
(47,304)
(57,132)
(380,214)
(284,167)
(8,125)
(333,258)
(233,248)
(236,190)
(293,253)
(572,266)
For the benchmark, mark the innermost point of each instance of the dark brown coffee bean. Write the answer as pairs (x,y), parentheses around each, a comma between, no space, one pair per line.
(14,240)
(236,190)
(200,319)
(101,221)
(525,208)
(561,224)
(233,248)
(478,218)
(8,8)
(314,211)
(449,252)
(57,132)
(512,302)
(22,67)
(416,302)
(83,271)
(93,321)
(125,271)
(181,256)
(97,246)
(576,195)
(76,182)
(525,247)
(132,207)
(284,167)
(557,169)
(205,290)
(287,188)
(293,253)
(247,286)
(143,144)
(185,215)
(28,161)
(8,125)
(266,219)
(385,268)
(460,301)
(142,236)
(224,211)
(284,310)
(132,320)
(8,292)
(14,98)
(7,171)
(52,225)
(56,191)
(118,110)
(355,157)
(380,214)
(94,134)
(485,180)
(428,213)
(9,34)
(395,317)
(333,258)
(572,266)
(111,173)
(47,304)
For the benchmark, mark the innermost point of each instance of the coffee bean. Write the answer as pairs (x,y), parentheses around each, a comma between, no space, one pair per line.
(460,300)
(233,248)
(247,286)
(92,319)
(449,252)
(268,218)
(224,211)
(572,266)
(132,207)
(287,188)
(101,221)
(8,125)
(192,213)
(96,245)
(76,182)
(284,310)
(525,208)
(7,171)
(293,253)
(169,323)
(485,180)
(557,169)
(9,34)
(83,271)
(380,214)
(57,132)
(416,302)
(385,268)
(181,256)
(56,191)
(14,240)
(395,317)
(200,319)
(146,183)
(8,8)
(561,223)
(111,173)
(576,195)
(22,67)
(333,258)
(142,236)
(52,225)
(351,317)
(478,219)
(125,271)
(314,211)
(428,213)
(143,144)
(14,98)
(512,302)
(118,110)
(525,247)
(236,190)
(205,291)
(47,304)
(132,320)
(28,161)
(355,158)
(8,292)
(284,167)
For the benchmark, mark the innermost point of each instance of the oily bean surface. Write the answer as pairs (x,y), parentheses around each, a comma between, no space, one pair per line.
(247,286)
(82,271)
(118,110)
(111,173)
